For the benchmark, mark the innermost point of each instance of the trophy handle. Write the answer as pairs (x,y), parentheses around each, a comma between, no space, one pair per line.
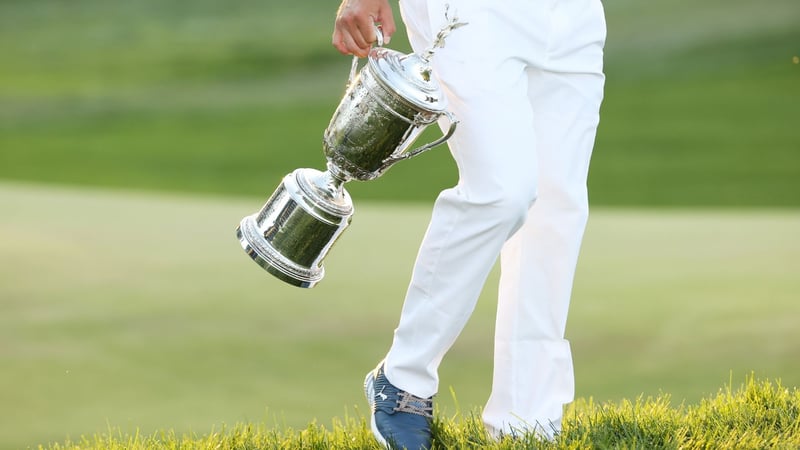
(354,64)
(412,153)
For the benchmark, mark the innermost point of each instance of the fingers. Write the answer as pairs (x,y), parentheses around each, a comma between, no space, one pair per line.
(352,37)
(354,34)
(346,44)
(386,19)
(354,30)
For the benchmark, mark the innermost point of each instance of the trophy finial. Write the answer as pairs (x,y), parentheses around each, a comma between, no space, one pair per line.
(438,42)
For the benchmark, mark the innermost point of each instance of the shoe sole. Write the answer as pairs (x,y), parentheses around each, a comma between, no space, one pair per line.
(369,390)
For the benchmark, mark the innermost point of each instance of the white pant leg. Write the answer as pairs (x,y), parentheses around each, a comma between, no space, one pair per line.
(494,150)
(533,373)
(483,73)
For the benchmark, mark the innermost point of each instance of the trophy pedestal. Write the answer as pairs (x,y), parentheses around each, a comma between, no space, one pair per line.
(290,236)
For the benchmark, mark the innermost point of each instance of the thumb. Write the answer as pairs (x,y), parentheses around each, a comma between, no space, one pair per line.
(386,19)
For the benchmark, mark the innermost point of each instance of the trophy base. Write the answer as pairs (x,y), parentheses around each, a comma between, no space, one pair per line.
(295,229)
(270,259)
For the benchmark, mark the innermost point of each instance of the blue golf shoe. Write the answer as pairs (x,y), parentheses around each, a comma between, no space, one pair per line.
(399,420)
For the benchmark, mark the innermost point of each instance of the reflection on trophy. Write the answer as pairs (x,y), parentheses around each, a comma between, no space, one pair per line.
(385,107)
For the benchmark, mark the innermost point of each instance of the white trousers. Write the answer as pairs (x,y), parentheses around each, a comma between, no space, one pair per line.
(525,79)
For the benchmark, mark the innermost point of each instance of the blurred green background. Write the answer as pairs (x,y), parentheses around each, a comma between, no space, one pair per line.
(702,101)
(135,135)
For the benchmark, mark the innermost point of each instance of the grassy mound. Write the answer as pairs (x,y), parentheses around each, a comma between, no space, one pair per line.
(759,414)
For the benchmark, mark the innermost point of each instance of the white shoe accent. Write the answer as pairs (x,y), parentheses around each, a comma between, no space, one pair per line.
(381,394)
(369,390)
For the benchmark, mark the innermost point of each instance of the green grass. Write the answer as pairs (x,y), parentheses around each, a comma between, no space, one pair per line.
(701,106)
(760,414)
(141,312)
(131,311)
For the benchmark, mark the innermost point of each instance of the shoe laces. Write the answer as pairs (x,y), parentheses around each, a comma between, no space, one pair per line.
(410,403)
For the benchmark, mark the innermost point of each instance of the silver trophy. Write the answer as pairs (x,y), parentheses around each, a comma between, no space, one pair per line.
(387,104)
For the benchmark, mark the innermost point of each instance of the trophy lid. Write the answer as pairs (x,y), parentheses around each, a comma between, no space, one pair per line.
(409,76)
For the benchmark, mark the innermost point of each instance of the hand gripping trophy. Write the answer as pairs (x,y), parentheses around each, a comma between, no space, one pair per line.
(385,108)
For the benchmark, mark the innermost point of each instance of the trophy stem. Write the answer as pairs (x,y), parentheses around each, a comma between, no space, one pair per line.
(335,178)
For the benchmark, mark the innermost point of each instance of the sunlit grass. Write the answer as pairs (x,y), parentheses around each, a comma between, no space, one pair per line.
(759,414)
